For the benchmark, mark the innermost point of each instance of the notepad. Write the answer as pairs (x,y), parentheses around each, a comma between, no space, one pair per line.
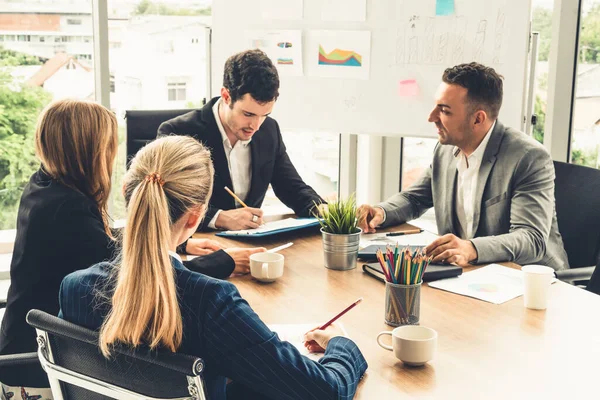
(294,333)
(270,228)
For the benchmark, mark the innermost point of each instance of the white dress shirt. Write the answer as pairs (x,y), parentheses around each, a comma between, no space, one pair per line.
(239,161)
(468,174)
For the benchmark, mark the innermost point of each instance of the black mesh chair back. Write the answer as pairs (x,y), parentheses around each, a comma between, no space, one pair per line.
(142,127)
(77,369)
(577,193)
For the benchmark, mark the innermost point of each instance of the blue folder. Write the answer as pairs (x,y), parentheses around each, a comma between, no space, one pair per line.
(310,223)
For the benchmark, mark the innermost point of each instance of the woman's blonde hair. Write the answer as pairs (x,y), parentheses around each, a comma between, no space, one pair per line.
(166,179)
(77,142)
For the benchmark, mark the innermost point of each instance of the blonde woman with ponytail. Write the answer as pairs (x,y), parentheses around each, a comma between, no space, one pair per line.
(149,298)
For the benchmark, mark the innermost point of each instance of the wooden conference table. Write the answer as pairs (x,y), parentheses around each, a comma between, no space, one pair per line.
(484,350)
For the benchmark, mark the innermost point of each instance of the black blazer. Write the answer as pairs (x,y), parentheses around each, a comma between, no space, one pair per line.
(270,164)
(59,230)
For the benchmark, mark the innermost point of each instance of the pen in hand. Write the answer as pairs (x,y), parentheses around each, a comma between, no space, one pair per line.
(311,344)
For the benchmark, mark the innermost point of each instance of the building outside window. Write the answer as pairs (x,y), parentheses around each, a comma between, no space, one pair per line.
(177,91)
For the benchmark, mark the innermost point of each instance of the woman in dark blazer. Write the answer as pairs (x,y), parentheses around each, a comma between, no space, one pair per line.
(62,224)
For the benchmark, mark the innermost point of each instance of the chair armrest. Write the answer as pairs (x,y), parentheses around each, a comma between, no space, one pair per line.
(22,369)
(11,360)
(575,274)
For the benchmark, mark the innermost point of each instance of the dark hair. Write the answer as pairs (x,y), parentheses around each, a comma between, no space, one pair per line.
(483,84)
(252,72)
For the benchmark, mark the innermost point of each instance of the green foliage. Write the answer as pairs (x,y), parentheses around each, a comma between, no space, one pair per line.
(539,110)
(20,105)
(542,23)
(339,217)
(589,36)
(586,157)
(147,7)
(10,58)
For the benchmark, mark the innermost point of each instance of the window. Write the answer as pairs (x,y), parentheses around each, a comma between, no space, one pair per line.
(73,21)
(541,23)
(153,71)
(585,129)
(316,158)
(20,59)
(176,91)
(417,154)
(112,83)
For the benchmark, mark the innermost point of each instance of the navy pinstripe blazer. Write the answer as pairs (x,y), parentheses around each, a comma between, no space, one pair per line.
(220,327)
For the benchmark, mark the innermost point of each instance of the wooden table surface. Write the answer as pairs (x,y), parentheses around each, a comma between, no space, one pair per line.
(484,350)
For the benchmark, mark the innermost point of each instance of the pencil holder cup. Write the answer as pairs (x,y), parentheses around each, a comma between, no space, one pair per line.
(402,304)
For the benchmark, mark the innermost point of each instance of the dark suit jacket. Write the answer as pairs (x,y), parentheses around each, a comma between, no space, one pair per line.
(59,230)
(270,163)
(220,327)
(515,215)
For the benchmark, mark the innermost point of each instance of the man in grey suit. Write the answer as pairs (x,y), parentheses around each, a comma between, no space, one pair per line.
(492,186)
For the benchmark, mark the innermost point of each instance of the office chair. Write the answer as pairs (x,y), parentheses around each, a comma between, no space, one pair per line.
(594,283)
(142,127)
(577,190)
(77,369)
(21,369)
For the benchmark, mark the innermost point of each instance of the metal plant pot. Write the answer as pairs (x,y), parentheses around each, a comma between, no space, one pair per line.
(340,251)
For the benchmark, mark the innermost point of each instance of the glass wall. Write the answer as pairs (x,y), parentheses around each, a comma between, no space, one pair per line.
(45,54)
(541,23)
(585,128)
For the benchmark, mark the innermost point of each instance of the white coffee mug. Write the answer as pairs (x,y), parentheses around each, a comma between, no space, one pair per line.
(266,267)
(537,280)
(414,345)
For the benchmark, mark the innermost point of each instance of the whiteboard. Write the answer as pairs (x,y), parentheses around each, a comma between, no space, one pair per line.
(407,42)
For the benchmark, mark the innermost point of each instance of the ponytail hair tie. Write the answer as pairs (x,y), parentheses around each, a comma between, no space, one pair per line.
(155,178)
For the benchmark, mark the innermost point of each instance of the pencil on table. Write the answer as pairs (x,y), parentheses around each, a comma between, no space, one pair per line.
(235,197)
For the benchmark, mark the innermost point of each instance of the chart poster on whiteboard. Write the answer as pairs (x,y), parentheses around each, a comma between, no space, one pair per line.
(290,10)
(339,54)
(344,10)
(284,48)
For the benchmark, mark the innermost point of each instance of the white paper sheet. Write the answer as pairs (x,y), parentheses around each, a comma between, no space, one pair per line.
(344,10)
(494,283)
(282,9)
(339,54)
(294,333)
(284,48)
(417,239)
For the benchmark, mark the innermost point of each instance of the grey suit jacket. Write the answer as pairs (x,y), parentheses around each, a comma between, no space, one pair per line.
(514,216)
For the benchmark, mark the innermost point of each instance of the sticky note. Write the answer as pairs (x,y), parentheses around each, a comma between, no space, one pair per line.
(408,88)
(444,7)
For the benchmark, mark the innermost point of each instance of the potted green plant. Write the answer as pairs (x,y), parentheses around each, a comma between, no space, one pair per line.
(341,235)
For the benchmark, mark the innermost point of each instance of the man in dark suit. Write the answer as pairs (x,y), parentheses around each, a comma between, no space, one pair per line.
(246,145)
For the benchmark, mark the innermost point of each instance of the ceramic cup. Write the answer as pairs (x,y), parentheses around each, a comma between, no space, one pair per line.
(266,267)
(537,280)
(412,344)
